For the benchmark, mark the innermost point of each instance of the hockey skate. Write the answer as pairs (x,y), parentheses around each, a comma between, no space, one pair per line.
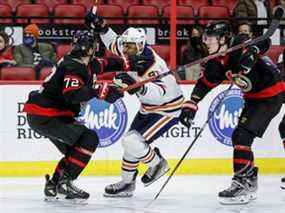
(283,183)
(50,190)
(154,173)
(121,188)
(68,191)
(242,190)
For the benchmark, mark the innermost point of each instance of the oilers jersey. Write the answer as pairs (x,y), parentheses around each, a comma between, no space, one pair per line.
(163,96)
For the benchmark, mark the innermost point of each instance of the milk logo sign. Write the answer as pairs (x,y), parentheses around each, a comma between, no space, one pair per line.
(226,116)
(108,120)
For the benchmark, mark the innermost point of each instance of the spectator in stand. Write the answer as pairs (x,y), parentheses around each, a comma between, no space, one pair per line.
(33,53)
(252,9)
(6,56)
(195,50)
(245,28)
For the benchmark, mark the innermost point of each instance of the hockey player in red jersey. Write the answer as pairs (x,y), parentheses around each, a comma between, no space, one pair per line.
(263,89)
(51,112)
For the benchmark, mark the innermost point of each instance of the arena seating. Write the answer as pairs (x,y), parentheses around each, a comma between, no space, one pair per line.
(18,74)
(194,3)
(140,12)
(29,10)
(87,3)
(212,12)
(228,3)
(14,3)
(5,10)
(51,3)
(124,4)
(69,10)
(182,12)
(112,11)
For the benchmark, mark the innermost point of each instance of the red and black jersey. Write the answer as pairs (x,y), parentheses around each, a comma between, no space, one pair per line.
(263,81)
(70,84)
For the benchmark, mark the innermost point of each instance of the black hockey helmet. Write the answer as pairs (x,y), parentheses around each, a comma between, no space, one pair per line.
(219,29)
(82,42)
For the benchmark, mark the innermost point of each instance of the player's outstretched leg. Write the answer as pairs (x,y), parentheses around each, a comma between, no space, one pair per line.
(67,190)
(123,188)
(155,172)
(242,190)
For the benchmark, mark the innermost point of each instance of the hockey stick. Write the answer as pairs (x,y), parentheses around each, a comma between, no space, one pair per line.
(192,144)
(272,28)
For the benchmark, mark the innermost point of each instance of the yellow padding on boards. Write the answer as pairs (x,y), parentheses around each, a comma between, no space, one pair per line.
(112,167)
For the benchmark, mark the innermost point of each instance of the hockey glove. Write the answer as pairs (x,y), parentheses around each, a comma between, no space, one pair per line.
(95,22)
(124,80)
(247,59)
(108,93)
(189,110)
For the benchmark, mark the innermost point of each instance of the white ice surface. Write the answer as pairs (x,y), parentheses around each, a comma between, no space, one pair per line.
(184,194)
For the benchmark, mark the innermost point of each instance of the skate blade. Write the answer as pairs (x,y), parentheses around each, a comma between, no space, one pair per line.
(121,195)
(62,199)
(51,199)
(159,176)
(241,200)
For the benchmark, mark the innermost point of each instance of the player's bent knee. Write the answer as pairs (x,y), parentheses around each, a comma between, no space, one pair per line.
(241,136)
(133,142)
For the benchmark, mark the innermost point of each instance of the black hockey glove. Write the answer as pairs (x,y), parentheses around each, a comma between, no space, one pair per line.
(247,59)
(108,93)
(189,110)
(123,80)
(136,63)
(113,95)
(95,22)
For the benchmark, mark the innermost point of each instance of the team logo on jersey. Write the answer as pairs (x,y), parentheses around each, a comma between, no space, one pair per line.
(108,120)
(226,115)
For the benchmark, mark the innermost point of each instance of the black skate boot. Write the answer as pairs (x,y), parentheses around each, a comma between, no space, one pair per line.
(121,188)
(242,190)
(50,190)
(69,191)
(154,173)
(283,183)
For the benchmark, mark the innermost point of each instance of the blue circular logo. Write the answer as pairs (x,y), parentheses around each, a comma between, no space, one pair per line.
(226,116)
(108,120)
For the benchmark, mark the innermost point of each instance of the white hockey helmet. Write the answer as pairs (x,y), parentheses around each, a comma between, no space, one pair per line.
(135,35)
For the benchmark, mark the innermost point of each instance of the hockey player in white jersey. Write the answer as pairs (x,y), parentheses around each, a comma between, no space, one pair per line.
(161,103)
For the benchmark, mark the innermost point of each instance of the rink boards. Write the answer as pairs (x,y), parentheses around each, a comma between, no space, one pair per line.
(25,153)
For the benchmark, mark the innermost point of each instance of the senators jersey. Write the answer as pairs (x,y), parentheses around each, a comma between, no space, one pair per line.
(68,86)
(163,96)
(262,81)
